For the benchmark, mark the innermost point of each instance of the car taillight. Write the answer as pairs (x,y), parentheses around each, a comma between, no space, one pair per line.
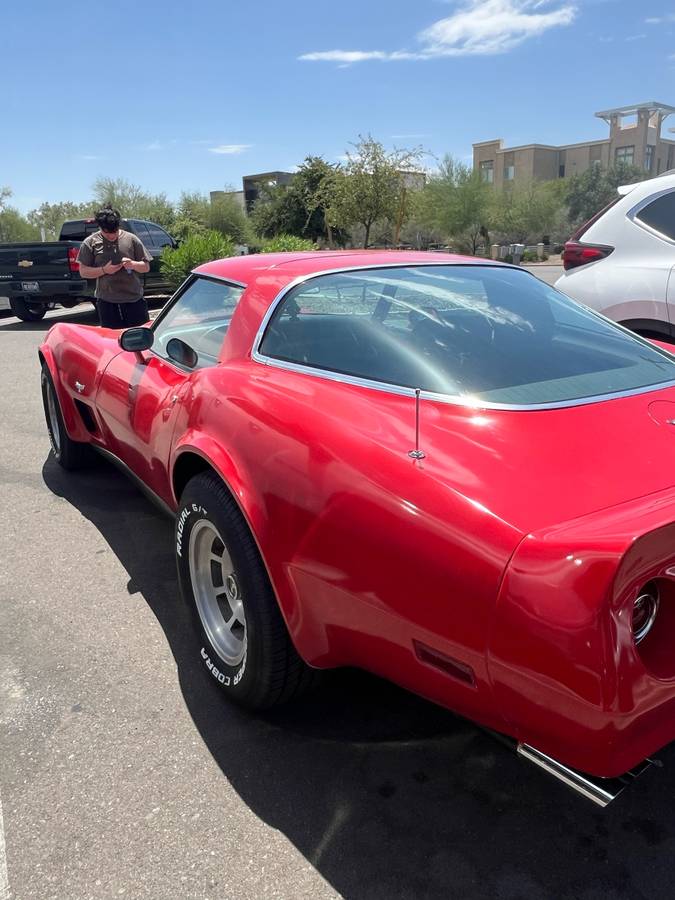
(578,254)
(645,609)
(73,264)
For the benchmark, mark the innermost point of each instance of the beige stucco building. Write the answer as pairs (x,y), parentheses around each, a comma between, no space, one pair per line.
(634,138)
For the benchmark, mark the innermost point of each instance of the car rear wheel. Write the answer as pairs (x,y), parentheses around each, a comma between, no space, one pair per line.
(27,310)
(243,641)
(68,453)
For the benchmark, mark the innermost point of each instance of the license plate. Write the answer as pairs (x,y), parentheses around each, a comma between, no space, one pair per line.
(30,286)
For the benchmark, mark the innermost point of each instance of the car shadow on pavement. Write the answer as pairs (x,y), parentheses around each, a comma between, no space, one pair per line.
(386,795)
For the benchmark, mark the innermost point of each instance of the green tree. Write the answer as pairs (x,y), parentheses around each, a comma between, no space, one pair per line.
(51,216)
(371,186)
(593,189)
(14,226)
(133,202)
(528,210)
(278,210)
(226,215)
(457,203)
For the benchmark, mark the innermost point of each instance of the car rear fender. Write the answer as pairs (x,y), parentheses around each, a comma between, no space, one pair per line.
(562,661)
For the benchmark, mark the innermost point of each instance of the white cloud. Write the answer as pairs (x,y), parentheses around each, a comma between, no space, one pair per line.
(230,149)
(89,158)
(658,20)
(155,145)
(479,27)
(635,37)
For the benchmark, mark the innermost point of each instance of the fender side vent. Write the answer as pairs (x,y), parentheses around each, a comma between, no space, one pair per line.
(446,664)
(87,416)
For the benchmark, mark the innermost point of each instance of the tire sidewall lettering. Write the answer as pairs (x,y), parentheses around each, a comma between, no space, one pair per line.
(181,520)
(222,677)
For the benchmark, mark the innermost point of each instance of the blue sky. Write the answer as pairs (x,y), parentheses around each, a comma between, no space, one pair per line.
(191,96)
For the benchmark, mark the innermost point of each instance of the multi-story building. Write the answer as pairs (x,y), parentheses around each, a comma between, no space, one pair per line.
(252,186)
(634,138)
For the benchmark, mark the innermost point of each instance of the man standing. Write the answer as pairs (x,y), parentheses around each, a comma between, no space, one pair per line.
(116,259)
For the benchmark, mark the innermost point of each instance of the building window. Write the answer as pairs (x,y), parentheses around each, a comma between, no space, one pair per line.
(509,173)
(487,171)
(649,156)
(624,155)
(561,171)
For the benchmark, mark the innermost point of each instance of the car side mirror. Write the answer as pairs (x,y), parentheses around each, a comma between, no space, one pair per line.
(181,353)
(136,339)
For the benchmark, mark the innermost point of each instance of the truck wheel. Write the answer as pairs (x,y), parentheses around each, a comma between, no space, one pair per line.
(26,310)
(243,641)
(68,453)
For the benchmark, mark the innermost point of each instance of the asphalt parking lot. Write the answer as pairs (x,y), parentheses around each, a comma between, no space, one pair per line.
(124,773)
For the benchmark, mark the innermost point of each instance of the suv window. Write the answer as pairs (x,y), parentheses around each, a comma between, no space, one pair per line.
(158,236)
(200,316)
(482,333)
(660,215)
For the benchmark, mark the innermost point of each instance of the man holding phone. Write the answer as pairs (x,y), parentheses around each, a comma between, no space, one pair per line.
(116,259)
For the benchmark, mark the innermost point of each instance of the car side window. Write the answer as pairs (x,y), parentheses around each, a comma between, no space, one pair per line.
(660,215)
(200,318)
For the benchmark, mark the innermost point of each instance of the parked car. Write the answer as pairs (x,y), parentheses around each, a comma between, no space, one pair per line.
(439,469)
(622,262)
(36,276)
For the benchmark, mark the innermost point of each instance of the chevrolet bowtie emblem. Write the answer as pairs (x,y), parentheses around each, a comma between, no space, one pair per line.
(25,263)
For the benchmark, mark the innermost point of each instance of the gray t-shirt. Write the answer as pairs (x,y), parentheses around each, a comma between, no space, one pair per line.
(123,286)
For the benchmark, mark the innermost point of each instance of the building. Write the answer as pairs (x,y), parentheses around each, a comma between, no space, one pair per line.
(634,138)
(252,186)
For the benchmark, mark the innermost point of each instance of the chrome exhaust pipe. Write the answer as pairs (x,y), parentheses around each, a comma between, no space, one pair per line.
(600,790)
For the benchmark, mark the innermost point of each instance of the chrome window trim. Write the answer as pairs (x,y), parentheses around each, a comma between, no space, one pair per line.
(634,214)
(453,399)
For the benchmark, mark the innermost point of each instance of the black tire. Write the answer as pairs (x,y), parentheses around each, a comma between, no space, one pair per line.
(68,453)
(265,670)
(26,310)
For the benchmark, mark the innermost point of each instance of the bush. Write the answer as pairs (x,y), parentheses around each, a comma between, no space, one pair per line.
(286,243)
(177,264)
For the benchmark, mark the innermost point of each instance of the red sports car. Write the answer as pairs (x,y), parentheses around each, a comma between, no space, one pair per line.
(435,468)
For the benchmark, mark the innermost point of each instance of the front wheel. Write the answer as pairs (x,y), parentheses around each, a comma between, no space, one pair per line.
(243,639)
(68,453)
(27,310)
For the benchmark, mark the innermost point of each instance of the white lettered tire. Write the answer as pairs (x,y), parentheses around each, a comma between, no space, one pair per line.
(242,638)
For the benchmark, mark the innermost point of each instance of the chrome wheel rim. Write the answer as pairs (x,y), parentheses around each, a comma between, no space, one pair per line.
(216,591)
(53,418)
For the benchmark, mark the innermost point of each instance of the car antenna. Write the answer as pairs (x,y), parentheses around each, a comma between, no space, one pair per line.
(417,453)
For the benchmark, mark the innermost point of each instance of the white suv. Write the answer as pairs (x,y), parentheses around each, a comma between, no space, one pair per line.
(622,262)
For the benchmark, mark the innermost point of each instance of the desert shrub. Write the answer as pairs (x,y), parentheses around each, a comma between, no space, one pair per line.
(284,243)
(177,264)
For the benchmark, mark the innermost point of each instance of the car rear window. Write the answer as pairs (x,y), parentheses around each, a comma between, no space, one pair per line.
(660,215)
(485,334)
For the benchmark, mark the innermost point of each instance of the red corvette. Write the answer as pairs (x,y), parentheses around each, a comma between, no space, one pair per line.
(431,467)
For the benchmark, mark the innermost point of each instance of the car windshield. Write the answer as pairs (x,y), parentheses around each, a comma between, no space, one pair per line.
(486,334)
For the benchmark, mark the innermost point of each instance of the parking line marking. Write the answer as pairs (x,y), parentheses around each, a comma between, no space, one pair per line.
(4,881)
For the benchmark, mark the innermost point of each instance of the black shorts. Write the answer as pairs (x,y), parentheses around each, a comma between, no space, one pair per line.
(122,315)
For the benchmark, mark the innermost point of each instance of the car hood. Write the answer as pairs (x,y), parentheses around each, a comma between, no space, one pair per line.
(537,468)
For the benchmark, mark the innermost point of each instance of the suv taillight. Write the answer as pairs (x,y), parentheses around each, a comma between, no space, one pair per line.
(578,254)
(73,264)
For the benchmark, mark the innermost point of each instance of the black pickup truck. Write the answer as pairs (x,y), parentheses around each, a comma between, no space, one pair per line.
(36,276)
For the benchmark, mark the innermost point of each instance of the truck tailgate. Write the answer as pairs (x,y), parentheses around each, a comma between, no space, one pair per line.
(28,262)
